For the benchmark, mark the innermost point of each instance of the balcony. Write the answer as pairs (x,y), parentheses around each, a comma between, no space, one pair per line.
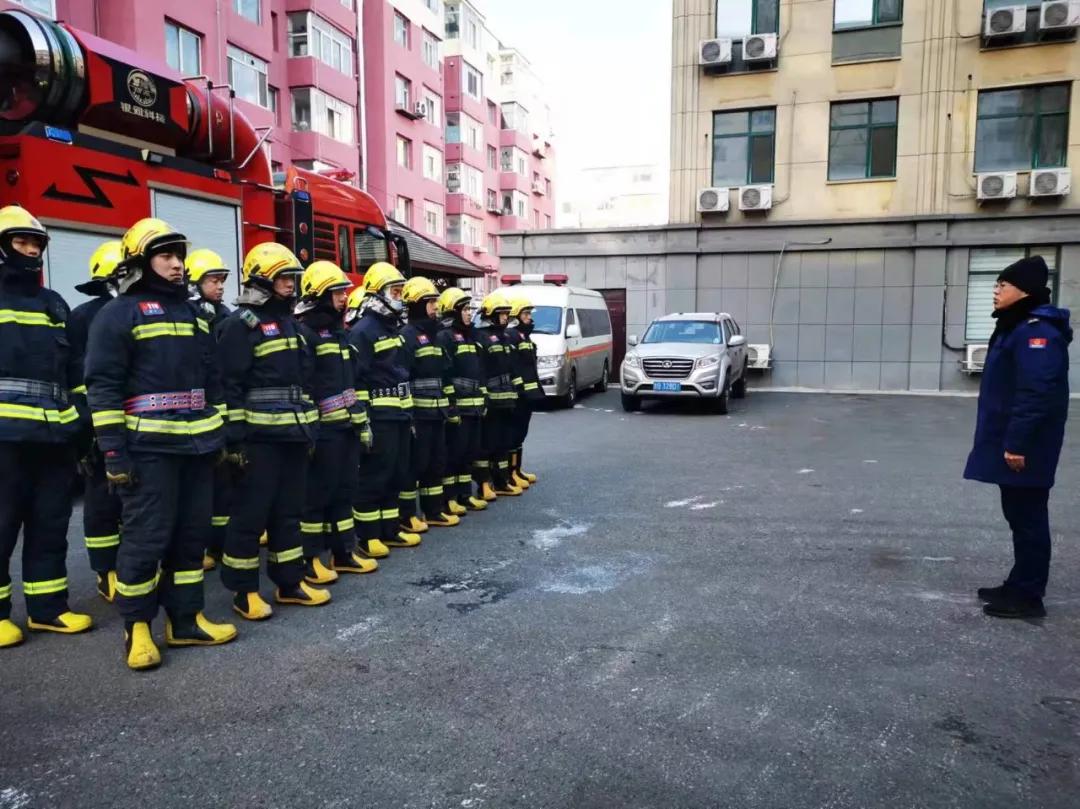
(512,181)
(511,137)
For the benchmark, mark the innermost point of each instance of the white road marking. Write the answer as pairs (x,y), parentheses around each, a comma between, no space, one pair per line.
(681,503)
(806,471)
(704,506)
(12,798)
(856,511)
(870,461)
(365,626)
(547,538)
(589,579)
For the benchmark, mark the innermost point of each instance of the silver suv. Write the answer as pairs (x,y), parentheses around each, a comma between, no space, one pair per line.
(698,355)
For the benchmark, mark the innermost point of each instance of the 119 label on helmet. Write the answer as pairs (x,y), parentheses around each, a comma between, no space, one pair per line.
(151,308)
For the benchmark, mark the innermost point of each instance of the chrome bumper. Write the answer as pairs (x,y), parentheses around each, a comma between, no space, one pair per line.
(703,383)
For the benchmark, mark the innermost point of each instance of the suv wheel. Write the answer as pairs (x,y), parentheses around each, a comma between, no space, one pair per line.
(631,404)
(601,386)
(720,403)
(570,399)
(738,390)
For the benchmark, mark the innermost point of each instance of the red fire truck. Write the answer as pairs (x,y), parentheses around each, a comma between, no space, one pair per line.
(94,137)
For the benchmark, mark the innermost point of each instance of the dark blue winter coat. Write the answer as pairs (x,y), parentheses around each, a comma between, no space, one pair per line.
(1023,402)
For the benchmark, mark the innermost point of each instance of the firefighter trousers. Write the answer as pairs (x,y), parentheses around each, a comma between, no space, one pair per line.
(327,522)
(268,496)
(384,474)
(166,518)
(429,464)
(465,447)
(522,418)
(224,476)
(101,518)
(494,467)
(36,480)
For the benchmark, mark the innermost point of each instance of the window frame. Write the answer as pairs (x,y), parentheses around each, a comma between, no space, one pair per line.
(466,69)
(319,33)
(1054,282)
(401,142)
(749,134)
(754,21)
(438,211)
(180,31)
(427,151)
(237,5)
(868,127)
(401,25)
(429,46)
(875,19)
(404,214)
(406,83)
(263,89)
(320,104)
(1037,124)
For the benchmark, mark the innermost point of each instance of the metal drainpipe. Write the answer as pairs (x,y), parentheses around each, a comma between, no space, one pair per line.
(361,108)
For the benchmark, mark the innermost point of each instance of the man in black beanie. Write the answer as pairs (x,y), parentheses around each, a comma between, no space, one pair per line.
(1023,404)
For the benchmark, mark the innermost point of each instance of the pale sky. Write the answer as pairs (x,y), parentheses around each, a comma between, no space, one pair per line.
(606,65)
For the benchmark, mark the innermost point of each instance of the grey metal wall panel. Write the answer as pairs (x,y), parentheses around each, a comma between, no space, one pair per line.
(735,270)
(866,44)
(841,305)
(867,343)
(868,305)
(839,343)
(842,265)
(811,343)
(814,270)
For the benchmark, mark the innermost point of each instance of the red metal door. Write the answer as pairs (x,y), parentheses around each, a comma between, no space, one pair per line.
(616,304)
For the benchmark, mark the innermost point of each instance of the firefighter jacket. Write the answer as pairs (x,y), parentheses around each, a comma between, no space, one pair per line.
(151,376)
(526,376)
(429,370)
(40,369)
(333,384)
(266,368)
(466,369)
(379,366)
(79,328)
(498,363)
(213,313)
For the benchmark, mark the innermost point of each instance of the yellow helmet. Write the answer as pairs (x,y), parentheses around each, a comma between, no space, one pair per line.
(495,303)
(149,236)
(267,261)
(104,260)
(418,289)
(517,305)
(202,263)
(381,275)
(321,277)
(355,299)
(451,299)
(17,221)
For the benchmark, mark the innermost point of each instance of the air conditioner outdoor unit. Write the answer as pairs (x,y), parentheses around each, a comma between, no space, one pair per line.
(538,188)
(1059,14)
(713,200)
(1003,22)
(479,248)
(714,52)
(759,356)
(755,198)
(1050,183)
(421,109)
(495,209)
(999,185)
(974,359)
(759,48)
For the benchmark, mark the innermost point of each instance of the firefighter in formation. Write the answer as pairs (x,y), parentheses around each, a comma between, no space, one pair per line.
(312,415)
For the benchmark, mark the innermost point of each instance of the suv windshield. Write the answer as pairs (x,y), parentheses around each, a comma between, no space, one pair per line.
(548,320)
(683,331)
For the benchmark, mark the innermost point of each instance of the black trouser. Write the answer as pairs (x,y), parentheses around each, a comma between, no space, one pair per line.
(429,463)
(101,518)
(327,523)
(498,441)
(520,422)
(384,474)
(166,518)
(1026,511)
(465,446)
(35,495)
(224,480)
(268,496)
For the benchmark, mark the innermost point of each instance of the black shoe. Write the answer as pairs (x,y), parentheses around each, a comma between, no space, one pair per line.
(993,593)
(1015,606)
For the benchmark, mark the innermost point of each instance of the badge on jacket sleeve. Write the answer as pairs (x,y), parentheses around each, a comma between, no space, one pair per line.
(151,308)
(422,339)
(1037,342)
(270,329)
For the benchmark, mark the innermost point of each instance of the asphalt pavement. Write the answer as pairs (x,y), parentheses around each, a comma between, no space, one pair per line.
(770,609)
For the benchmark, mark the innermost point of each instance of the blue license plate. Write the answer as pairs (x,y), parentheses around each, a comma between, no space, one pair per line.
(669,387)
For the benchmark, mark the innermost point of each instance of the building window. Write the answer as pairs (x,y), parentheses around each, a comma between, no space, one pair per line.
(433,163)
(515,204)
(432,5)
(547,187)
(46,8)
(432,108)
(493,245)
(311,35)
(462,128)
(402,92)
(315,111)
(247,75)
(347,4)
(461,178)
(862,140)
(744,144)
(472,82)
(547,222)
(401,29)
(183,49)
(461,229)
(274,30)
(403,211)
(274,95)
(984,266)
(430,50)
(736,19)
(433,219)
(404,152)
(472,31)
(492,199)
(1022,128)
(493,158)
(515,116)
(513,159)
(865,13)
(493,113)
(249,10)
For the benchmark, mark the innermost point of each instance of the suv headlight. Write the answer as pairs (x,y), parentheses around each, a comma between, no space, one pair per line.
(632,361)
(549,361)
(708,362)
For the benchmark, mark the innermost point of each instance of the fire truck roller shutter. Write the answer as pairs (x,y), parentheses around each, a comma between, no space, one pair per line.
(209,224)
(67,259)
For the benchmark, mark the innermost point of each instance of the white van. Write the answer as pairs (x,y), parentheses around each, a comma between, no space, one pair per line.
(572,334)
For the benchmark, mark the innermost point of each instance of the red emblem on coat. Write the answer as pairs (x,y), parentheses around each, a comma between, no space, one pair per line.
(151,308)
(422,338)
(270,329)
(1037,342)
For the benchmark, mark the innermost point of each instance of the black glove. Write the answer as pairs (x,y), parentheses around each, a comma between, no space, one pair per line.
(119,471)
(234,454)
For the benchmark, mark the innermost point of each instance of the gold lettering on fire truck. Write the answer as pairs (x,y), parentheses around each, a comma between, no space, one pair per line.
(142,88)
(139,112)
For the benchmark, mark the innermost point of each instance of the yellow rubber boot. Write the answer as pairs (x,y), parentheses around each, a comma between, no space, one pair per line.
(66,623)
(142,652)
(455,508)
(304,595)
(529,476)
(318,573)
(476,504)
(414,525)
(444,520)
(355,564)
(510,491)
(106,585)
(519,480)
(197,631)
(404,540)
(10,634)
(372,549)
(252,607)
(209,562)
(487,492)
